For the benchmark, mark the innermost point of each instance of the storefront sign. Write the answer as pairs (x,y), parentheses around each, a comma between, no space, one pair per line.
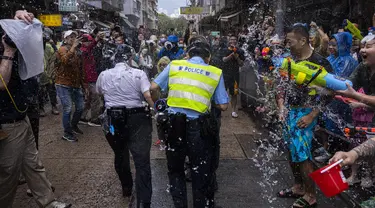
(51,20)
(68,6)
(191,10)
(215,33)
(67,22)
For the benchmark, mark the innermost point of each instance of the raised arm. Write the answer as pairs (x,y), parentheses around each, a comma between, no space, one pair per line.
(6,65)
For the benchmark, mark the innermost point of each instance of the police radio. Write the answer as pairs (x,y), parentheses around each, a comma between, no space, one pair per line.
(161,105)
(160,109)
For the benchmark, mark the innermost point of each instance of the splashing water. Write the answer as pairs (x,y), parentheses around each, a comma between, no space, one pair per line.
(263,160)
(162,146)
(168,188)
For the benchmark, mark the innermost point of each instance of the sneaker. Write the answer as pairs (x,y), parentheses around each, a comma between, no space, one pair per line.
(234,115)
(366,182)
(42,112)
(57,204)
(145,205)
(76,130)
(94,124)
(55,111)
(69,138)
(323,158)
(83,121)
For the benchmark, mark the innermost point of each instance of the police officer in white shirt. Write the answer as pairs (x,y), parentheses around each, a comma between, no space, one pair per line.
(129,121)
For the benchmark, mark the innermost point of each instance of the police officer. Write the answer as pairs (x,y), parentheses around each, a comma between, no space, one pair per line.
(191,85)
(129,123)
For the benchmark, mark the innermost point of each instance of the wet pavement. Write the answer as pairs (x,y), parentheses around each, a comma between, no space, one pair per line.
(83,172)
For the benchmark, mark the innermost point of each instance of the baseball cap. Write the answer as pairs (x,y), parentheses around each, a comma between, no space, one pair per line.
(69,32)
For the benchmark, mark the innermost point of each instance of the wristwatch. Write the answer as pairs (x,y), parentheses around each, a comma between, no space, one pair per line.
(6,58)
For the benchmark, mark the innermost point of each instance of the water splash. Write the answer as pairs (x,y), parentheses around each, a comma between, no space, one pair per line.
(266,151)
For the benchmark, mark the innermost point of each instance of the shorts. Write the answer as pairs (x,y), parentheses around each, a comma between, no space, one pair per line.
(299,141)
(229,80)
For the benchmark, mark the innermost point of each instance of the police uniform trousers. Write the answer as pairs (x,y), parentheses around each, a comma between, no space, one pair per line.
(186,138)
(132,132)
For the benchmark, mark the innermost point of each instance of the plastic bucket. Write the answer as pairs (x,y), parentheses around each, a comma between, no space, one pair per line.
(330,180)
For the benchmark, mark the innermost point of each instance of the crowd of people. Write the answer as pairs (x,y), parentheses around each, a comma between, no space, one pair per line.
(309,115)
(114,84)
(106,81)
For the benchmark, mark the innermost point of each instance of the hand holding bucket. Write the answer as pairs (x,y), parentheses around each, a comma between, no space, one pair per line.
(330,179)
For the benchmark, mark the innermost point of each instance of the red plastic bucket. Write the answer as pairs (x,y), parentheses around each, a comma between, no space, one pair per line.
(330,179)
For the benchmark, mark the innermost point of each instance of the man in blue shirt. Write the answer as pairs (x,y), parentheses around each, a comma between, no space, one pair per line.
(193,129)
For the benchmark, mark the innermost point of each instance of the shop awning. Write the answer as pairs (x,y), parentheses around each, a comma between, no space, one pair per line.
(128,23)
(101,24)
(227,17)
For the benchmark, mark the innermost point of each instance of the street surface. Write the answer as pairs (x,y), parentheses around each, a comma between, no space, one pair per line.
(83,172)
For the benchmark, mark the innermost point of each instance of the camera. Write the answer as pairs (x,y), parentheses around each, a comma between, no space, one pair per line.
(233,49)
(9,41)
(150,43)
(109,50)
(242,39)
(168,45)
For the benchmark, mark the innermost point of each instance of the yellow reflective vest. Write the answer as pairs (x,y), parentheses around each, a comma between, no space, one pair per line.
(192,86)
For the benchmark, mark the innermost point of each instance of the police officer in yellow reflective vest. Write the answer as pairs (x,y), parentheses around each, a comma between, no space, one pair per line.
(191,85)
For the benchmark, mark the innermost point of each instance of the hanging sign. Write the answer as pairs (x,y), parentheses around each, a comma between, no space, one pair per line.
(51,20)
(68,6)
(191,10)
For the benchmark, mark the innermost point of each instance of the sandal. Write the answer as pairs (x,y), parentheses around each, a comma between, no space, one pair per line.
(288,193)
(302,203)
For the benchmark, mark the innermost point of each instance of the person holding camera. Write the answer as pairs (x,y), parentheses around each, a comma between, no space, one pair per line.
(93,102)
(234,59)
(129,123)
(153,49)
(70,79)
(171,49)
(18,152)
(47,79)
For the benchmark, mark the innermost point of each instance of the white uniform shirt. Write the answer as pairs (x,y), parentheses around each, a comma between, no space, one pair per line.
(123,86)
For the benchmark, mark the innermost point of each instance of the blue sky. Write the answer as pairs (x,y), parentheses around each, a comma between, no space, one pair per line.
(171,7)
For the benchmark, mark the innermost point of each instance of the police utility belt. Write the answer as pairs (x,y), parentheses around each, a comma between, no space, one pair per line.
(179,125)
(116,114)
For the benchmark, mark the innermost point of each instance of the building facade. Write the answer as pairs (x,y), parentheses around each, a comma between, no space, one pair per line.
(141,13)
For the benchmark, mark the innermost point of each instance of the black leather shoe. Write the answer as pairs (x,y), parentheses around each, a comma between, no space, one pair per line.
(145,205)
